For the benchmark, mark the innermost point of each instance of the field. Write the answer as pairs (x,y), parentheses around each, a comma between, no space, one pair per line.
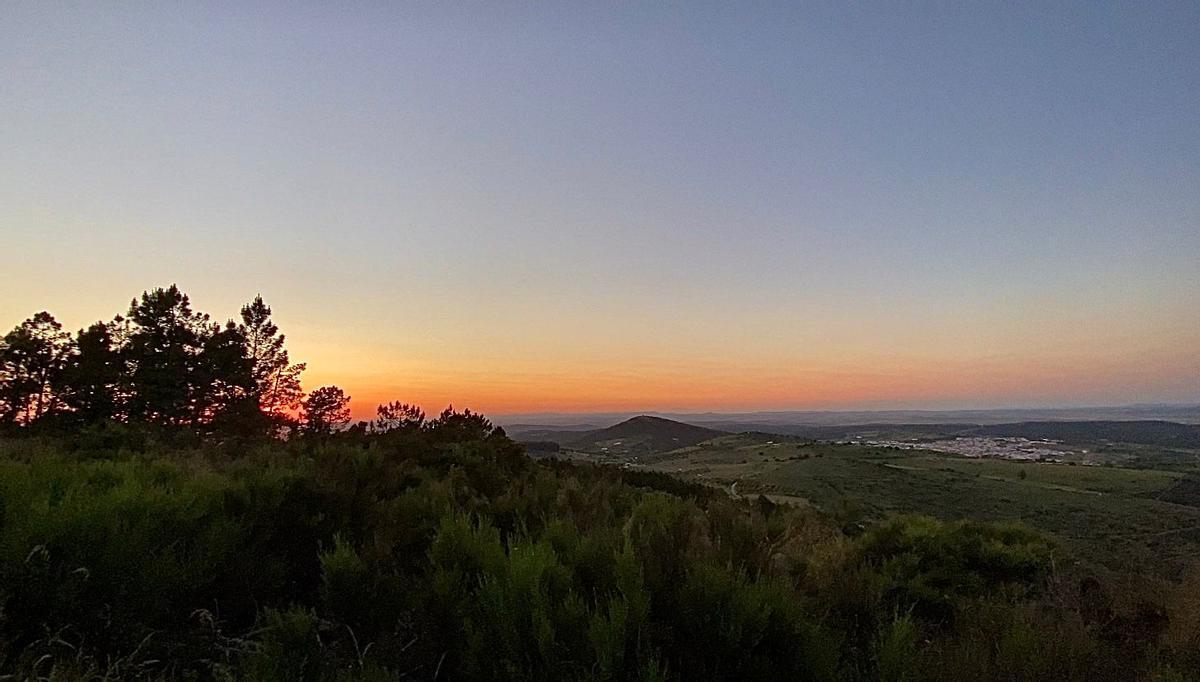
(1112,517)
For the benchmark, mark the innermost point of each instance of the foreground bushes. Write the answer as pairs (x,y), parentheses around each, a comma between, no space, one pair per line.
(381,557)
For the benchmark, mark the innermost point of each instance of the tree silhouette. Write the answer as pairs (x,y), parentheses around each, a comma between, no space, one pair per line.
(276,380)
(451,426)
(183,369)
(92,381)
(164,342)
(163,363)
(224,375)
(325,409)
(397,416)
(32,359)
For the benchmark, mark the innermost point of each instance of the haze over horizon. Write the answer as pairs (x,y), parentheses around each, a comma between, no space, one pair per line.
(598,209)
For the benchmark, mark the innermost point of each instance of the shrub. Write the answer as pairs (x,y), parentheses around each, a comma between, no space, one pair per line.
(412,554)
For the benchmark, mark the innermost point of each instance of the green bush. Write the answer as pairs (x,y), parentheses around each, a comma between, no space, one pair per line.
(404,555)
(930,567)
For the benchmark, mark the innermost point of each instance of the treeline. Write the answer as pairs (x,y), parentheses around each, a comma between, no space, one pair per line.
(166,367)
(161,363)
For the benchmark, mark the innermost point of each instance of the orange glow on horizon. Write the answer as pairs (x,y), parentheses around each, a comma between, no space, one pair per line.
(929,384)
(732,360)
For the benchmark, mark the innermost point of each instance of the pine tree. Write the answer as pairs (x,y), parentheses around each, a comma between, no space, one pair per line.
(325,410)
(33,357)
(276,381)
(92,382)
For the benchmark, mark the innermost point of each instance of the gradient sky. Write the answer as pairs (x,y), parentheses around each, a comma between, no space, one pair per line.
(552,207)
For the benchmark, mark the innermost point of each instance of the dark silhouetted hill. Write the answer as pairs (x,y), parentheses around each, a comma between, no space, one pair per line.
(642,435)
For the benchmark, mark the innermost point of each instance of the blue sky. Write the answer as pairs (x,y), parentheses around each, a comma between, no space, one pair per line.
(502,201)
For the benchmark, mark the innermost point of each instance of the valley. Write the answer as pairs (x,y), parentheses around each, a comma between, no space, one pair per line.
(1119,507)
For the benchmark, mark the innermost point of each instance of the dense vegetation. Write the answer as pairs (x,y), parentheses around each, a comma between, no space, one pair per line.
(442,551)
(1135,523)
(167,529)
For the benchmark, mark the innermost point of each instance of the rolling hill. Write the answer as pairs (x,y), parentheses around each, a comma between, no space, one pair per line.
(640,435)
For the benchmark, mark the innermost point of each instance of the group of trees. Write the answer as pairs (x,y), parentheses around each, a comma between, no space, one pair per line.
(163,363)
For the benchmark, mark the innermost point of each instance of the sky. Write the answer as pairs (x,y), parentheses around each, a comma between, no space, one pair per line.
(523,207)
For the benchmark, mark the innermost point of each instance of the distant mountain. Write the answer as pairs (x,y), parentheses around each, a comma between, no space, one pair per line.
(543,432)
(523,428)
(788,421)
(641,435)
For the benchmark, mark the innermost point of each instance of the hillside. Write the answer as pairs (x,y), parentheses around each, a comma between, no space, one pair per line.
(441,553)
(1125,518)
(641,435)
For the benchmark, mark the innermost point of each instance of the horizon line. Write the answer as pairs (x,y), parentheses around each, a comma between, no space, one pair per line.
(1195,404)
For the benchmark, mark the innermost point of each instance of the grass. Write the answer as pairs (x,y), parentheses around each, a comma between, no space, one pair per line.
(1107,516)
